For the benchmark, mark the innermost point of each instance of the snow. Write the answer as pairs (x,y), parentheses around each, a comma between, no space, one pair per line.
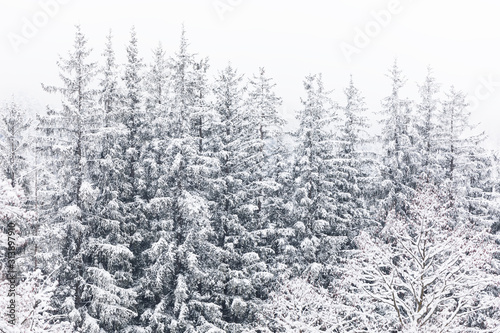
(162,199)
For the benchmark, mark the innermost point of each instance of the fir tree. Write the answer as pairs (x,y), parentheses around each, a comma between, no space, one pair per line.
(108,261)
(318,235)
(353,163)
(157,97)
(261,134)
(401,159)
(177,286)
(15,145)
(156,80)
(464,163)
(16,151)
(428,128)
(69,141)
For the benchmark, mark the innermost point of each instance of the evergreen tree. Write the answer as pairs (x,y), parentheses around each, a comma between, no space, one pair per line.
(243,143)
(16,151)
(353,163)
(108,261)
(428,128)
(157,81)
(133,117)
(69,142)
(262,128)
(177,284)
(203,114)
(464,162)
(401,159)
(263,213)
(229,103)
(229,194)
(157,97)
(15,145)
(318,234)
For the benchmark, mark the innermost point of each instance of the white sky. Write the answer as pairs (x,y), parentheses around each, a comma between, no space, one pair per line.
(460,39)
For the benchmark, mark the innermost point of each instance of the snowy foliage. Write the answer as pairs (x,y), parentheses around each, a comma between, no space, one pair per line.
(33,306)
(11,200)
(427,272)
(299,306)
(162,199)
(401,157)
(15,145)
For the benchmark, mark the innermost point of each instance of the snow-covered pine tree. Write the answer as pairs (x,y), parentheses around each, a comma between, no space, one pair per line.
(428,129)
(454,123)
(252,130)
(136,135)
(177,286)
(353,162)
(108,261)
(156,80)
(157,97)
(318,234)
(263,213)
(16,159)
(182,79)
(203,115)
(463,161)
(15,145)
(229,103)
(262,130)
(69,142)
(241,268)
(159,259)
(109,91)
(154,281)
(401,158)
(108,154)
(242,142)
(34,291)
(480,198)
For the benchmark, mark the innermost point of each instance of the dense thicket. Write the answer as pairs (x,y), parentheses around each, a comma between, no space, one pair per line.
(155,198)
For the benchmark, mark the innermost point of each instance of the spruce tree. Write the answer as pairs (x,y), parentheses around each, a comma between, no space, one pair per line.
(262,129)
(108,261)
(353,163)
(15,145)
(69,143)
(16,151)
(318,235)
(177,284)
(264,215)
(400,159)
(428,128)
(157,97)
(463,161)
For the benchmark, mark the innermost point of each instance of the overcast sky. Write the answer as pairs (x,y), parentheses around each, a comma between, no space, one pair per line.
(460,39)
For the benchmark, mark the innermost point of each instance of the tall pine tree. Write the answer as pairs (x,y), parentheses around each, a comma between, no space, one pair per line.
(400,159)
(69,142)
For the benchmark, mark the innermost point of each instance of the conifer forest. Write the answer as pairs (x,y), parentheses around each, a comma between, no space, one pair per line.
(156,198)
